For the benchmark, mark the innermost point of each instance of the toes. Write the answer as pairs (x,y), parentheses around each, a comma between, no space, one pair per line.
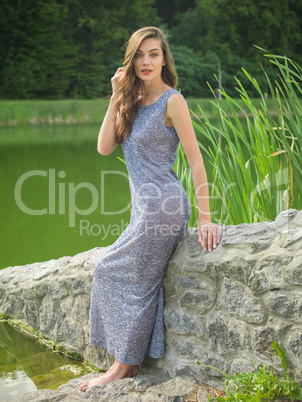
(83,385)
(84,388)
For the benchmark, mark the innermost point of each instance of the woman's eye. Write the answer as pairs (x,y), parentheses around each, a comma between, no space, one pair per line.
(154,54)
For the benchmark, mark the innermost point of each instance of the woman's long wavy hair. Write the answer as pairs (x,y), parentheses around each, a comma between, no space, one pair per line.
(128,87)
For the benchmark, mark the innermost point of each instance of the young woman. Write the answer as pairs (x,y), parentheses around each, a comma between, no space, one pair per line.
(149,118)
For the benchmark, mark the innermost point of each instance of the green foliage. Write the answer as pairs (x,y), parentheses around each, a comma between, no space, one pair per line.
(35,59)
(70,48)
(260,385)
(230,28)
(194,71)
(255,166)
(58,49)
(3,316)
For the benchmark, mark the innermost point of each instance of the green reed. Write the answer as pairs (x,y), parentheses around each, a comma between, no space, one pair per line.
(254,167)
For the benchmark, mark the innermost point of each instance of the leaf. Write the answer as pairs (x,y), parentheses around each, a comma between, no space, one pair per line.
(122,160)
(281,353)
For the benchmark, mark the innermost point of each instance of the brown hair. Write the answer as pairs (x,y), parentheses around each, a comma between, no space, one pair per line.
(128,86)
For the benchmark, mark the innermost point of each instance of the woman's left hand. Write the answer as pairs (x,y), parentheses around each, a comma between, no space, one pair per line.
(208,234)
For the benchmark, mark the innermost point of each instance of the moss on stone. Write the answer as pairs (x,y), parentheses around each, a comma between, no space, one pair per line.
(76,370)
(3,316)
(31,331)
(23,326)
(93,368)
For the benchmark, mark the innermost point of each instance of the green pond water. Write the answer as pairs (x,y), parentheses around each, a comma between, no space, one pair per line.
(58,195)
(27,365)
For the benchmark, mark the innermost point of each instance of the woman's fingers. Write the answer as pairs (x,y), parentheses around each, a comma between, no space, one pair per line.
(210,239)
(203,235)
(116,77)
(216,236)
(118,72)
(208,236)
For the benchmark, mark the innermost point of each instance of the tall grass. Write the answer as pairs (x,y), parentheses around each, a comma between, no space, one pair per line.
(254,168)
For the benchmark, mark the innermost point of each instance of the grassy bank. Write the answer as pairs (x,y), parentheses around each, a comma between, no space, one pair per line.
(34,112)
(16,112)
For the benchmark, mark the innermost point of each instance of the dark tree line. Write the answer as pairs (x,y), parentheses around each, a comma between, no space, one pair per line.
(70,48)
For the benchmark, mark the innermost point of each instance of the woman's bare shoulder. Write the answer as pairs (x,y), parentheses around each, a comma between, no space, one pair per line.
(175,103)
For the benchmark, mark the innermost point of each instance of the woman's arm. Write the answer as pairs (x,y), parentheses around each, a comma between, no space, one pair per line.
(178,114)
(106,139)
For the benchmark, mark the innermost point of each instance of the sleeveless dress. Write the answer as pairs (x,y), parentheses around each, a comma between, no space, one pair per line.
(127,299)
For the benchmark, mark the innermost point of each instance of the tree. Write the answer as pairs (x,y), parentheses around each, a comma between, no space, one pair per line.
(65,48)
(230,28)
(35,58)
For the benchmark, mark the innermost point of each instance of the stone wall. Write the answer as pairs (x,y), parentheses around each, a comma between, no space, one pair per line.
(223,308)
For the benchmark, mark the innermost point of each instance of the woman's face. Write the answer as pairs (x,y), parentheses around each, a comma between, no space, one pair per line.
(149,60)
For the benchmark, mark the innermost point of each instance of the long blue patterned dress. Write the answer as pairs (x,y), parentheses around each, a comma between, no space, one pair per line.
(127,300)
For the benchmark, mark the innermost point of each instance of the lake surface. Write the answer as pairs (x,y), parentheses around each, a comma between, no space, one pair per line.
(27,365)
(58,195)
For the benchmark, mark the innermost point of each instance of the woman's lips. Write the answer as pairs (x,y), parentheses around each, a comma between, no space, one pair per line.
(146,72)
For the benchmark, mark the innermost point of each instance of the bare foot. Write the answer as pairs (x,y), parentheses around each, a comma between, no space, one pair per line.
(109,370)
(119,371)
(134,372)
(99,375)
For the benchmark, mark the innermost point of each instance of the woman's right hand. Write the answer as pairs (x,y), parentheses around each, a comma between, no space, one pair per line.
(115,78)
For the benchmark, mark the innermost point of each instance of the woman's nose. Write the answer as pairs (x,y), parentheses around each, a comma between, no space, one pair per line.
(146,60)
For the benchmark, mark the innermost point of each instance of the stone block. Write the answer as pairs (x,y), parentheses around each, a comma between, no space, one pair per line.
(214,361)
(190,282)
(241,365)
(176,389)
(181,323)
(263,339)
(285,304)
(183,348)
(81,308)
(293,273)
(238,300)
(31,313)
(293,343)
(200,300)
(35,290)
(228,335)
(73,334)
